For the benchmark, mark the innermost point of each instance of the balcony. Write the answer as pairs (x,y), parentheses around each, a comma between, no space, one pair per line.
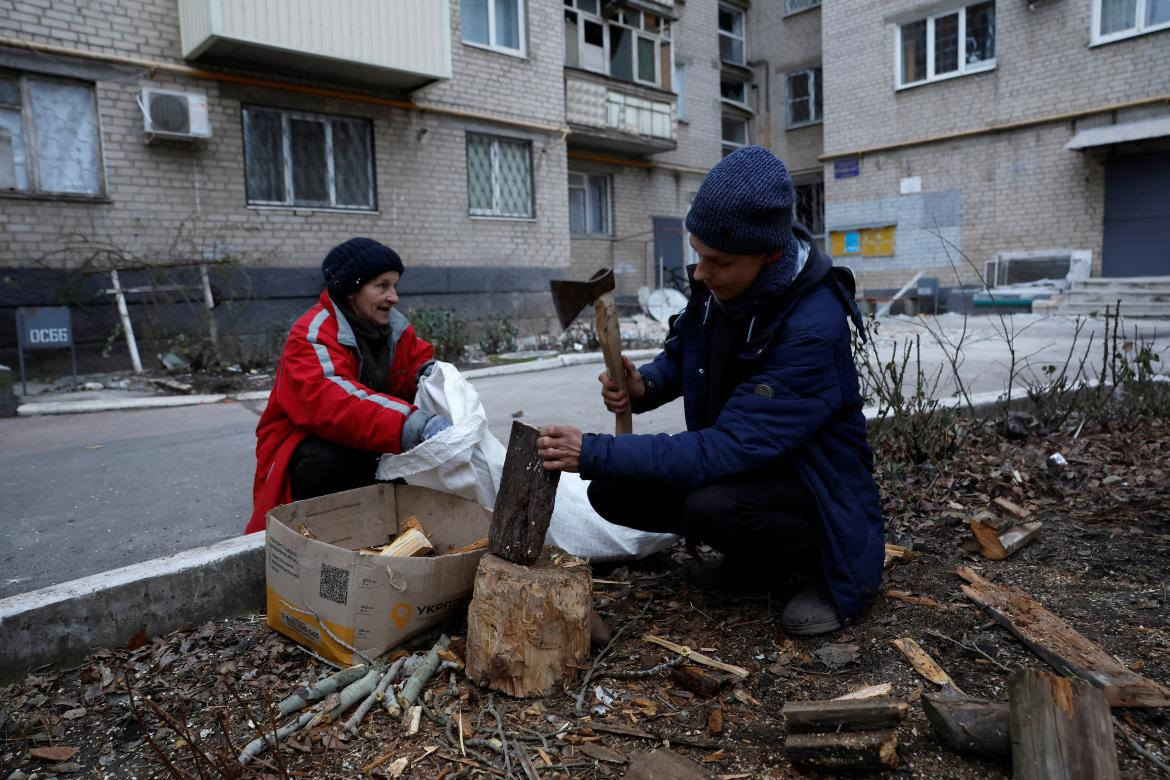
(610,115)
(400,45)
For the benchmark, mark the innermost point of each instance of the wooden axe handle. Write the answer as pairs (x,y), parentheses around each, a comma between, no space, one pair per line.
(609,336)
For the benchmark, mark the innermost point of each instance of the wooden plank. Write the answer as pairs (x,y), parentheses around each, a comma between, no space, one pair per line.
(1061,729)
(1017,536)
(1012,508)
(847,751)
(973,727)
(923,663)
(848,715)
(1059,644)
(868,692)
(696,656)
(524,504)
(997,545)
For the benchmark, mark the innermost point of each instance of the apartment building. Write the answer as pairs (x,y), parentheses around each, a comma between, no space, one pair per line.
(495,145)
(1003,139)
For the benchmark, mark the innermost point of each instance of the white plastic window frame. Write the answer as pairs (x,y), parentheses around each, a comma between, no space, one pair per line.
(964,69)
(491,45)
(1140,27)
(729,145)
(732,101)
(28,132)
(496,211)
(286,150)
(742,38)
(634,29)
(815,118)
(607,207)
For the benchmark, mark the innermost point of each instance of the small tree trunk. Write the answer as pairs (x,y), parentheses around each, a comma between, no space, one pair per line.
(1061,728)
(528,626)
(524,504)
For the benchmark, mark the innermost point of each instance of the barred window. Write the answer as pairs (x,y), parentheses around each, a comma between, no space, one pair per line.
(499,176)
(810,207)
(588,204)
(49,136)
(316,160)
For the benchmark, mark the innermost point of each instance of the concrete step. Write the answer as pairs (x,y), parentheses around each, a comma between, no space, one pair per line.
(1123,283)
(1111,296)
(1158,310)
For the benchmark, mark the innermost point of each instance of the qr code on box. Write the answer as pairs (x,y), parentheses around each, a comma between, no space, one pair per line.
(334,584)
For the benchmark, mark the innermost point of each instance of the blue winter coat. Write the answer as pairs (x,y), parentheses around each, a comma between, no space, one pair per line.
(796,398)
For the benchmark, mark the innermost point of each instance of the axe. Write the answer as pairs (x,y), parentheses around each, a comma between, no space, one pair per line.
(570,298)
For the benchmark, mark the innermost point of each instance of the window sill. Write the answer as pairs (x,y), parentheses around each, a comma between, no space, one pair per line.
(312,209)
(491,218)
(729,103)
(802,125)
(513,53)
(591,236)
(985,68)
(1125,35)
(55,197)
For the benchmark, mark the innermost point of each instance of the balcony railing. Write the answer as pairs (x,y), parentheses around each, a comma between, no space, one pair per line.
(400,45)
(613,115)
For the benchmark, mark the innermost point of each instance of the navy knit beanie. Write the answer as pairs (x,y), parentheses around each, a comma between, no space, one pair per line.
(745,204)
(352,263)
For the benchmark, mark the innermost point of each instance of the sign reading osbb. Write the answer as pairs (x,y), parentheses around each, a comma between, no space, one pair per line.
(46,327)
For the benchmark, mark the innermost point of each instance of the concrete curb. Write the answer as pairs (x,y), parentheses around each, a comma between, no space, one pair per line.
(156,402)
(62,623)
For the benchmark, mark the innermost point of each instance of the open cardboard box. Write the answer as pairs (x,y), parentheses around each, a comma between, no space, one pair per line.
(321,590)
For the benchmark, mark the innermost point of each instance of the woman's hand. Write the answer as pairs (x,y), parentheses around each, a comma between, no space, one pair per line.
(615,400)
(560,446)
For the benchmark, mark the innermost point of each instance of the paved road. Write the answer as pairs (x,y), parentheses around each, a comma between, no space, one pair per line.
(80,494)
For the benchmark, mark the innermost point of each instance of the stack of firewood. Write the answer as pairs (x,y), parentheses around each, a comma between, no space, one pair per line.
(843,734)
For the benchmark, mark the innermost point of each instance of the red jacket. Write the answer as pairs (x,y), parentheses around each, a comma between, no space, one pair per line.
(317,391)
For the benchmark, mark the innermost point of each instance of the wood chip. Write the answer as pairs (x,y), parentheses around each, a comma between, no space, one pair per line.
(697,657)
(1012,508)
(923,663)
(55,753)
(895,553)
(918,600)
(868,692)
(711,758)
(602,753)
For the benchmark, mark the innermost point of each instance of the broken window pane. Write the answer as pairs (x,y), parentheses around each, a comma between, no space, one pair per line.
(65,136)
(264,156)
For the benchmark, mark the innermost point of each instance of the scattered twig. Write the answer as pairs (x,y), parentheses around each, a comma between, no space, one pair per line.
(639,674)
(1132,741)
(972,648)
(302,697)
(422,674)
(580,700)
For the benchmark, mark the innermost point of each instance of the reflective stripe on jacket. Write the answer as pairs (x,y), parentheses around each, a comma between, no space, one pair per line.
(316,391)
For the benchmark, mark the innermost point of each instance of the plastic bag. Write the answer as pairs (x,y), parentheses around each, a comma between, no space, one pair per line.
(467,460)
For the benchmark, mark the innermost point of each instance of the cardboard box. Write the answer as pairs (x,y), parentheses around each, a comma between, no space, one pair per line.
(321,590)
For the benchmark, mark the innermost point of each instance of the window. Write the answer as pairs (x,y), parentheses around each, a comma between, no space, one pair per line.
(499,176)
(631,114)
(804,97)
(866,242)
(733,90)
(588,204)
(315,160)
(731,38)
(810,207)
(1117,19)
(947,44)
(680,88)
(622,43)
(735,134)
(495,24)
(49,140)
(796,6)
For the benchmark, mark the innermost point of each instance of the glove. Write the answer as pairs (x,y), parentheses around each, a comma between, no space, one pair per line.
(434,425)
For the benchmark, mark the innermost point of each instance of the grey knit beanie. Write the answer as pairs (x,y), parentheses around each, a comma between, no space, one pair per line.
(745,204)
(352,263)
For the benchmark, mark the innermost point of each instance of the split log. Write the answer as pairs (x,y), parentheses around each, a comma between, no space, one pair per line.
(973,727)
(868,692)
(663,764)
(847,715)
(698,680)
(996,545)
(847,751)
(1061,729)
(528,626)
(524,504)
(1059,644)
(923,663)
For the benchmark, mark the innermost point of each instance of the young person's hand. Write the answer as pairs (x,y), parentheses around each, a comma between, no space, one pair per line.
(615,400)
(560,446)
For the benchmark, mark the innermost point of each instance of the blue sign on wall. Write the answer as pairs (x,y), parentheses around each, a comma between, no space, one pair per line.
(846,167)
(44,327)
(852,242)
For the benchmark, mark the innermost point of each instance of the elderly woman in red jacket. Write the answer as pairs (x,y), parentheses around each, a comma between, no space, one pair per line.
(344,387)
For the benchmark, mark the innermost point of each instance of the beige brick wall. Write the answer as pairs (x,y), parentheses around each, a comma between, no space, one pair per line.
(696,38)
(1044,66)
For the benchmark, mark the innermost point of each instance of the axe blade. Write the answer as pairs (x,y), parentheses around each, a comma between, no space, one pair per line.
(569,297)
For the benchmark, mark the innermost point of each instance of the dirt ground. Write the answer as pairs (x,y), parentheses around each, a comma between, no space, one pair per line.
(1100,562)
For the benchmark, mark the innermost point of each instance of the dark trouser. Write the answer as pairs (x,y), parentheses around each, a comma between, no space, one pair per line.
(319,467)
(765,517)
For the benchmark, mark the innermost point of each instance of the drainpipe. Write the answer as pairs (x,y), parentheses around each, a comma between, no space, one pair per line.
(767,99)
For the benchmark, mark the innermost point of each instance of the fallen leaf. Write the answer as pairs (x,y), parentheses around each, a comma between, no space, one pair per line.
(715,722)
(713,757)
(138,640)
(56,753)
(835,655)
(73,714)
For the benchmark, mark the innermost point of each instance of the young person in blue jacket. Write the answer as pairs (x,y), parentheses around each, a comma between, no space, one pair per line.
(774,469)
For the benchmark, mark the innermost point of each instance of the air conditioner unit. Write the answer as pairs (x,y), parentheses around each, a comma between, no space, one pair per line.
(174,115)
